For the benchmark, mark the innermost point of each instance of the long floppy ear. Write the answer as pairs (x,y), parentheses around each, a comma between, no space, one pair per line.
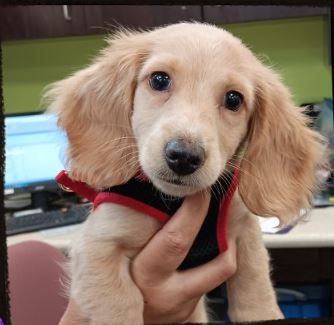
(282,153)
(94,106)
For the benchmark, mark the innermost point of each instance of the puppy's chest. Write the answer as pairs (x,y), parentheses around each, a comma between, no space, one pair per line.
(145,198)
(141,196)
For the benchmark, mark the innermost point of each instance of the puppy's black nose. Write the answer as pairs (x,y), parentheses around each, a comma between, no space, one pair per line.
(182,157)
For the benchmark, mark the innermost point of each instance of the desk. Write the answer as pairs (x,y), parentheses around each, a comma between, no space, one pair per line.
(315,233)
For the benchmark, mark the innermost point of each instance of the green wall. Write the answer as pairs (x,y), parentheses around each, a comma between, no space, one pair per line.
(28,66)
(297,48)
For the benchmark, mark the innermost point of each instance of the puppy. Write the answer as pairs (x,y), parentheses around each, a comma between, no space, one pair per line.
(186,106)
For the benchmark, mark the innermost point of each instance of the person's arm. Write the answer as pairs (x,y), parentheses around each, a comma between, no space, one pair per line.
(171,295)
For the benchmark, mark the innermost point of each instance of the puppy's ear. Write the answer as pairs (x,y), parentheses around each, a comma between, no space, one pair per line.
(94,106)
(282,153)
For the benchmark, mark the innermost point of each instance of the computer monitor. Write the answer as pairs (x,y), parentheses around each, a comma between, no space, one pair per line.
(35,150)
(322,119)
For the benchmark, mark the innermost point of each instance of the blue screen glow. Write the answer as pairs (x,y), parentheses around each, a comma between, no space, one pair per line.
(35,150)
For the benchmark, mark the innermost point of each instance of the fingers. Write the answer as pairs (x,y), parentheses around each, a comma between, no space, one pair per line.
(204,278)
(167,249)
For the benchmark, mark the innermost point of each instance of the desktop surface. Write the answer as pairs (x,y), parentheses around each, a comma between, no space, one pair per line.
(318,231)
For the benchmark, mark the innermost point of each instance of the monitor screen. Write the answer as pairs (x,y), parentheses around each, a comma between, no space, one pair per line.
(35,151)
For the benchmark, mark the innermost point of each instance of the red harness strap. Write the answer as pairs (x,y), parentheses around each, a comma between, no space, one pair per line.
(98,198)
(105,197)
(221,229)
(81,188)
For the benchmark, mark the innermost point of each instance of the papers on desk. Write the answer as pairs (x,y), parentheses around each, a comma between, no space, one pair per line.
(270,225)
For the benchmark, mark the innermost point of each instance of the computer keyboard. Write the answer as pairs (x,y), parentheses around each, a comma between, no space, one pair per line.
(50,219)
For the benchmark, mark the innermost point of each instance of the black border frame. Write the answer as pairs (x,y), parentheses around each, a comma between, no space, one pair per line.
(4,294)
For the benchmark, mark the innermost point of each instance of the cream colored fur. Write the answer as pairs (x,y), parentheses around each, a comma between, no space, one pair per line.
(117,124)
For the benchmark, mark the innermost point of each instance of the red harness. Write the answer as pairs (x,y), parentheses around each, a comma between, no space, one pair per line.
(122,195)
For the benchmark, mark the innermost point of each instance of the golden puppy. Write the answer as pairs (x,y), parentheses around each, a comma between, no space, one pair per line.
(184,104)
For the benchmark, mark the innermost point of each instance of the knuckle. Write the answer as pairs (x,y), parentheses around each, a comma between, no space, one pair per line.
(176,243)
(229,269)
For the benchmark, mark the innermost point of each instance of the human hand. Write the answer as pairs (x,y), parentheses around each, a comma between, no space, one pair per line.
(171,295)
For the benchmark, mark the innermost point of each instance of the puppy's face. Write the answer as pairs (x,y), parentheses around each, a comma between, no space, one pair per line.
(191,108)
(179,102)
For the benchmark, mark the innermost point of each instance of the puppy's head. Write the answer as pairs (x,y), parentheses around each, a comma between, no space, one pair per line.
(185,104)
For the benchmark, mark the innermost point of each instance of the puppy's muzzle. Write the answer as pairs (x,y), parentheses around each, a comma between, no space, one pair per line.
(184,157)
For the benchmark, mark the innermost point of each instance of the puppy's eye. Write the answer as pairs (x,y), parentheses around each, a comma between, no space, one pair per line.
(233,100)
(160,81)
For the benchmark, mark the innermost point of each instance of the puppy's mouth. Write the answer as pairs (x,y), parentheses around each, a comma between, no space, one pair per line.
(174,181)
(174,186)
